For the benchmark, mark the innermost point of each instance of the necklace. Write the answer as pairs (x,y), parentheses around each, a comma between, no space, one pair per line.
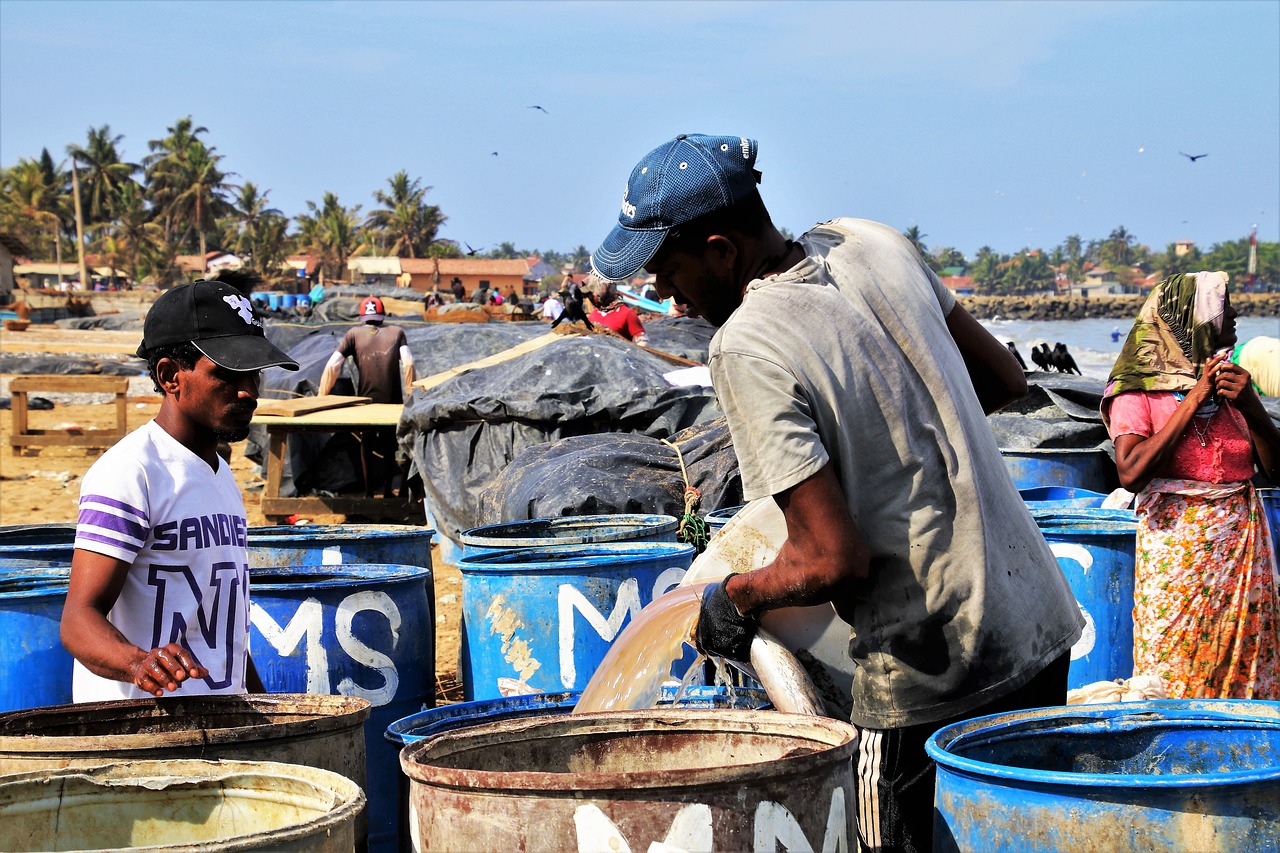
(1202,434)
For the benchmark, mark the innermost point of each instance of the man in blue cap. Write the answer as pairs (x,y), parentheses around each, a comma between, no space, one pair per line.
(856,390)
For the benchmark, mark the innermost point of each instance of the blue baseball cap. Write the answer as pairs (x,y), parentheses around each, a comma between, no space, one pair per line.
(675,183)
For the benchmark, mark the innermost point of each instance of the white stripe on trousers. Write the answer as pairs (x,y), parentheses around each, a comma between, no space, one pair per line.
(869,762)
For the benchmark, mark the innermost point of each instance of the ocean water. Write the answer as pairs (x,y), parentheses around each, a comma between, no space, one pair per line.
(1089,341)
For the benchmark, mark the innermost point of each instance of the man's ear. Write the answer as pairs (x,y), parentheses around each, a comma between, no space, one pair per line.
(721,251)
(167,375)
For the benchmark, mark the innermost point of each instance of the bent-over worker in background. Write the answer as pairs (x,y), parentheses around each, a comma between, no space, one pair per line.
(385,367)
(159,592)
(856,389)
(1189,430)
(612,313)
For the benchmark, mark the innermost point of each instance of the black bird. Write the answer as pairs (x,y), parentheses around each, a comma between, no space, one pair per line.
(1062,359)
(494,153)
(470,251)
(1192,157)
(1040,355)
(573,310)
(1013,350)
(536,107)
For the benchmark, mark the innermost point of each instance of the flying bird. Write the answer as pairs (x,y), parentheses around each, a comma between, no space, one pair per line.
(536,107)
(495,153)
(1192,157)
(470,251)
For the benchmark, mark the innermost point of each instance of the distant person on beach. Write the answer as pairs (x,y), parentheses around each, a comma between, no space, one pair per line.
(612,313)
(386,373)
(1189,433)
(458,290)
(552,308)
(158,598)
(856,390)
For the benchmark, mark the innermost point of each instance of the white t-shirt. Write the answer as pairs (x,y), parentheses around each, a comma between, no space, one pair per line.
(846,358)
(152,502)
(552,309)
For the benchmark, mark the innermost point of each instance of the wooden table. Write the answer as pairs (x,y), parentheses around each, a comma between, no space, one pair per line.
(23,437)
(348,419)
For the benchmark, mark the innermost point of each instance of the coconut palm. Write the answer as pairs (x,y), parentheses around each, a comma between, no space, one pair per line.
(243,228)
(186,185)
(917,239)
(405,219)
(103,175)
(35,201)
(330,231)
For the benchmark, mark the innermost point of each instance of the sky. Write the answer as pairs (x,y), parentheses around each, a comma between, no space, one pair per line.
(1001,124)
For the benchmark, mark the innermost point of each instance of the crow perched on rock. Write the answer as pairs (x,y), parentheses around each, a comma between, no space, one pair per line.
(1040,355)
(1013,351)
(1062,359)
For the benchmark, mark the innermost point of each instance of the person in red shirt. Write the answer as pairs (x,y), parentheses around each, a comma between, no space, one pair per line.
(613,313)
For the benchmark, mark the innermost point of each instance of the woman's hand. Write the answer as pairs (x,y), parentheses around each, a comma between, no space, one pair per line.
(1207,385)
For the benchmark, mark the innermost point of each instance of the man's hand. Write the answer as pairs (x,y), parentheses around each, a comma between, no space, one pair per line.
(721,629)
(164,669)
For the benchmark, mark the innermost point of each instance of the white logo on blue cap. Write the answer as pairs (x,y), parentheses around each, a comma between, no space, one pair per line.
(241,306)
(628,209)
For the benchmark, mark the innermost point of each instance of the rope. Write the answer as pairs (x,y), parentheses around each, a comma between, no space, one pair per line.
(692,529)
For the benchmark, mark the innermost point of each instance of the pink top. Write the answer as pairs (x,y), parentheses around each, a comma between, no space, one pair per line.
(1227,456)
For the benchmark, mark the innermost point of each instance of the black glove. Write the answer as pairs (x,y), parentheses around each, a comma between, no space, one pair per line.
(722,630)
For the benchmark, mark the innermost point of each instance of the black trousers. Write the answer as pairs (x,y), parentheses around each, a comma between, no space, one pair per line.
(894,776)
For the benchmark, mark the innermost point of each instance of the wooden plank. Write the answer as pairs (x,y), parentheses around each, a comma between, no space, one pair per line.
(671,357)
(81,384)
(332,420)
(497,358)
(89,438)
(390,509)
(305,405)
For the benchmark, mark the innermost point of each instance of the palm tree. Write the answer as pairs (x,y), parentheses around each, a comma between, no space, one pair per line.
(243,228)
(330,231)
(405,217)
(133,231)
(917,239)
(580,259)
(1118,247)
(103,174)
(35,200)
(186,185)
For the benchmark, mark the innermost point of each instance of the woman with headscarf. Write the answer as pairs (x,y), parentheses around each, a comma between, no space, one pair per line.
(1188,429)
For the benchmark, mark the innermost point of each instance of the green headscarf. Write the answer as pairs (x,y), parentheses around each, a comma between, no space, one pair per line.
(1175,334)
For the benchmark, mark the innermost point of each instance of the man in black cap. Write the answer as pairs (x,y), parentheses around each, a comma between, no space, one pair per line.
(158,598)
(855,389)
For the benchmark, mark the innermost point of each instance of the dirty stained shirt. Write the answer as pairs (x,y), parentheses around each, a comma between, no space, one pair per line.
(846,358)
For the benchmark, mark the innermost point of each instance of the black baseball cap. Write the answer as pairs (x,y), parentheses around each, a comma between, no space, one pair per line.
(218,320)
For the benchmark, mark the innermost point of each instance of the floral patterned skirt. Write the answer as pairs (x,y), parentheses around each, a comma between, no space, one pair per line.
(1205,592)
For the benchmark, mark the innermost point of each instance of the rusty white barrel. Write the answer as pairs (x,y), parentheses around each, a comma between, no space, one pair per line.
(180,805)
(636,780)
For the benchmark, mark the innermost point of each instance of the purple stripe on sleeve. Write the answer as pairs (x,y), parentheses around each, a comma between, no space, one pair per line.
(114,543)
(114,523)
(105,501)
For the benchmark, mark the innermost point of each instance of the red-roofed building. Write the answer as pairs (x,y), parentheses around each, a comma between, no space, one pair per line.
(960,285)
(500,275)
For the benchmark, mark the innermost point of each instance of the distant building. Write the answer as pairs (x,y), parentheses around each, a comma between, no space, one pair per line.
(1183,247)
(10,248)
(501,275)
(960,285)
(382,270)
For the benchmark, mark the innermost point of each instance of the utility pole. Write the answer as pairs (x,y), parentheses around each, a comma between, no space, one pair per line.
(75,192)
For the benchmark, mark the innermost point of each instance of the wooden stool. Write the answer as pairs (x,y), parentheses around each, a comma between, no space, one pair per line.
(24,437)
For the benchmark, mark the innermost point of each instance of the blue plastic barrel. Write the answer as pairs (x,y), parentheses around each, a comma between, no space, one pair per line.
(288,300)
(1162,775)
(35,670)
(541,619)
(276,545)
(1061,497)
(567,530)
(359,630)
(37,534)
(719,518)
(303,302)
(339,544)
(1271,503)
(273,301)
(1084,468)
(1095,549)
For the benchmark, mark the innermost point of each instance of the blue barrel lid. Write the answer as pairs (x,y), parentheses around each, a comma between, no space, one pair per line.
(448,717)
(32,583)
(1057,519)
(1222,715)
(1058,493)
(286,535)
(568,530)
(329,577)
(575,557)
